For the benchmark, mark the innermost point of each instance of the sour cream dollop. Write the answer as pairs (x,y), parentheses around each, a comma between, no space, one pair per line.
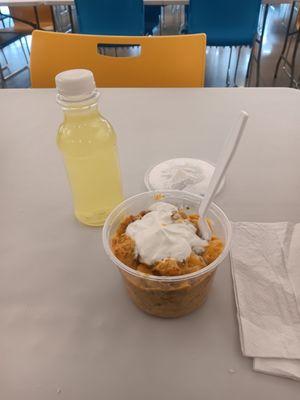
(158,236)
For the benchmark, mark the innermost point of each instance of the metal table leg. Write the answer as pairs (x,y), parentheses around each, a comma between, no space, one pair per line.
(249,68)
(4,56)
(237,66)
(260,43)
(2,76)
(53,18)
(37,18)
(287,35)
(228,69)
(14,73)
(24,52)
(71,18)
(163,13)
(259,40)
(26,43)
(161,20)
(294,59)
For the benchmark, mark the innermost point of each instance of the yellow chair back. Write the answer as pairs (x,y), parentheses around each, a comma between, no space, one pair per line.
(163,61)
(298,21)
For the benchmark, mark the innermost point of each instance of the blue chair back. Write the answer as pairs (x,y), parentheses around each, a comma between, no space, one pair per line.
(225,22)
(152,14)
(111,17)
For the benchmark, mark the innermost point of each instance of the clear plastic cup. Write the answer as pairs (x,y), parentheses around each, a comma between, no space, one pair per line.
(167,296)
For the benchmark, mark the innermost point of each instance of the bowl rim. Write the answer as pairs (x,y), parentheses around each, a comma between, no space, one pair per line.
(167,279)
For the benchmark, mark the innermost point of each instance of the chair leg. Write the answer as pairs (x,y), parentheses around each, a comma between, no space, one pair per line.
(27,47)
(281,57)
(249,68)
(161,17)
(258,66)
(37,17)
(178,10)
(285,59)
(298,82)
(294,58)
(260,43)
(2,76)
(237,66)
(70,11)
(163,14)
(4,56)
(24,52)
(228,68)
(53,18)
(14,73)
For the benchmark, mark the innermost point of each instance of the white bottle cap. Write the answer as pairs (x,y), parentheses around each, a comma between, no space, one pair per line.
(75,84)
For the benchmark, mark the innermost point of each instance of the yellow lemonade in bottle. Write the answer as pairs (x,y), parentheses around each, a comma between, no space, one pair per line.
(88,143)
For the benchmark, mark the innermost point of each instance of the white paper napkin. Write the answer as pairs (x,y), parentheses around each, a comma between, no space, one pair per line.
(266,279)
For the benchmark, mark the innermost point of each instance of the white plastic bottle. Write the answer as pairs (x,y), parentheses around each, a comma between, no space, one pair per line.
(88,143)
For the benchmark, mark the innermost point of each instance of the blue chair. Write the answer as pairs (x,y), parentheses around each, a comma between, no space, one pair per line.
(111,17)
(227,23)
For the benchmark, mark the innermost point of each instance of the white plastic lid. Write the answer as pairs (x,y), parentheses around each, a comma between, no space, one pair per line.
(186,174)
(76,84)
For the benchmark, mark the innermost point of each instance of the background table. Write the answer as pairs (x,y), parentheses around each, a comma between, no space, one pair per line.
(146,2)
(70,3)
(67,327)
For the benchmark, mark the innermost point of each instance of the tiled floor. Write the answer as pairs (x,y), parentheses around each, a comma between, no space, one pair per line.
(217,58)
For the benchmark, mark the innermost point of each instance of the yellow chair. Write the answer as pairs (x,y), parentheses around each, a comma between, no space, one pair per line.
(28,14)
(163,61)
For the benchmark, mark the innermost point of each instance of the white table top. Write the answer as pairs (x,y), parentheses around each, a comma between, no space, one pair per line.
(146,2)
(67,327)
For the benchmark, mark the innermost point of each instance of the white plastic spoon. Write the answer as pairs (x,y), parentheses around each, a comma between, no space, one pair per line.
(227,154)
